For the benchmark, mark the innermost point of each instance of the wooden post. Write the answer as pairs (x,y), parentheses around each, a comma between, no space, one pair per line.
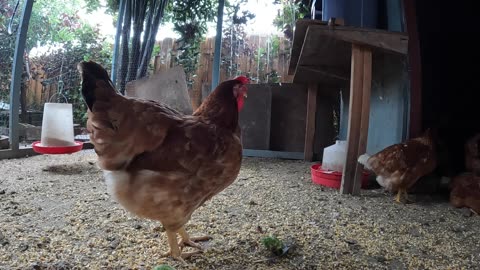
(365,114)
(414,58)
(354,120)
(310,125)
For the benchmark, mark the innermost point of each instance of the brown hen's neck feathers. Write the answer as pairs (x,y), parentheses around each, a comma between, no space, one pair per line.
(220,107)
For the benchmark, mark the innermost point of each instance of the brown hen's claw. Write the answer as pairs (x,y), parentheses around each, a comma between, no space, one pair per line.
(190,241)
(399,196)
(182,257)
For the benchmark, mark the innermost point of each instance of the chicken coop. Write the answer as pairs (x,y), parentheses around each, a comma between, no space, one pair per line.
(371,74)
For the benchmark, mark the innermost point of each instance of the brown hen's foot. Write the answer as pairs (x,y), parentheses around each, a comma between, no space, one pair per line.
(407,200)
(398,198)
(175,251)
(190,241)
(182,256)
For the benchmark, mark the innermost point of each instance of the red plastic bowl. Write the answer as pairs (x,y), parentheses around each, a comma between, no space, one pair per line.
(57,150)
(331,179)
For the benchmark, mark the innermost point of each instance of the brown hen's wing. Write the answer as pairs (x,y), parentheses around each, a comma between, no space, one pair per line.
(400,157)
(192,147)
(121,128)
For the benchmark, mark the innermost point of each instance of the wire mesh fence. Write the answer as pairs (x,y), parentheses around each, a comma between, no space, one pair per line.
(7,48)
(57,40)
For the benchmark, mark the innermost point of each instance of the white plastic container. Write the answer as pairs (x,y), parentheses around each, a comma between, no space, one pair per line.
(57,125)
(334,156)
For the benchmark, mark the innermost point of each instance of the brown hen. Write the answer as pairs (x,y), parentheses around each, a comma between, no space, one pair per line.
(472,155)
(158,163)
(465,192)
(399,166)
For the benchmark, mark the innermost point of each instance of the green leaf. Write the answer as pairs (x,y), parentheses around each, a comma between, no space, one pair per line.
(163,267)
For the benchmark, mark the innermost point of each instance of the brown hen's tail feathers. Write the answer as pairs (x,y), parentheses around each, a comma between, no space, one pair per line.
(363,159)
(96,84)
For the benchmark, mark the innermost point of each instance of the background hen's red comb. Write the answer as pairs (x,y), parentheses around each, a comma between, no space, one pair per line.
(242,79)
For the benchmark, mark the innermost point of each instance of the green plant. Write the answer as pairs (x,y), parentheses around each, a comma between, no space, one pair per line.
(291,11)
(273,244)
(66,39)
(190,18)
(234,36)
(163,267)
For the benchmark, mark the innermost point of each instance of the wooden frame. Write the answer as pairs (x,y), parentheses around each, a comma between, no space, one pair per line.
(324,56)
(310,123)
(360,87)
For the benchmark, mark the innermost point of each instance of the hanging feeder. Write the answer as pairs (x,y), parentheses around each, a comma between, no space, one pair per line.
(57,130)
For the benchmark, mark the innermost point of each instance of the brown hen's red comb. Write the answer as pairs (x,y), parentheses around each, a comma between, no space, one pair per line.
(242,79)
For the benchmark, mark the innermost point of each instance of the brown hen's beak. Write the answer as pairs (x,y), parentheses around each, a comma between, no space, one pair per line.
(245,95)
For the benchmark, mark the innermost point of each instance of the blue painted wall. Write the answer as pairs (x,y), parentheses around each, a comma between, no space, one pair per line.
(361,13)
(389,103)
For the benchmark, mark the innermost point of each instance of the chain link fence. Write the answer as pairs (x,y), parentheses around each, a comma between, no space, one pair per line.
(57,40)
(7,48)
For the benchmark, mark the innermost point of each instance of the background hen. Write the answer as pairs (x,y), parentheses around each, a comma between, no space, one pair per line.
(160,164)
(399,166)
(465,188)
(472,155)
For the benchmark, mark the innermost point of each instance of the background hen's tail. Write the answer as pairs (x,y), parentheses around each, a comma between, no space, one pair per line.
(363,159)
(96,84)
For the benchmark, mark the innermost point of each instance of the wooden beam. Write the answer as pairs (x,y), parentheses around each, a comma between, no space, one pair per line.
(324,71)
(272,154)
(365,114)
(310,123)
(389,41)
(301,27)
(415,63)
(354,120)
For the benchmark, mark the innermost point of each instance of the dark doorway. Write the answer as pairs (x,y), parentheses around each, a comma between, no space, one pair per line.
(450,76)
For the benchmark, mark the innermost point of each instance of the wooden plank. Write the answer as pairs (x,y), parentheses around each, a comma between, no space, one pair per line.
(301,27)
(396,42)
(325,46)
(325,133)
(365,114)
(272,154)
(327,76)
(310,123)
(254,119)
(415,73)
(289,109)
(19,153)
(354,121)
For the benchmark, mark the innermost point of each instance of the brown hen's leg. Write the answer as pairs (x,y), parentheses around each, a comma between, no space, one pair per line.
(407,200)
(190,241)
(175,251)
(398,198)
(399,195)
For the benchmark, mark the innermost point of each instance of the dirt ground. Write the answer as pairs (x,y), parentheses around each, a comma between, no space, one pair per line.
(55,214)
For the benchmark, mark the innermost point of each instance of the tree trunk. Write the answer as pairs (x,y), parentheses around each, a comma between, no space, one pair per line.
(138,16)
(125,42)
(148,25)
(135,59)
(157,14)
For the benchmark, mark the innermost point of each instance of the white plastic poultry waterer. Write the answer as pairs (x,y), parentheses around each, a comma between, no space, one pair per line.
(57,135)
